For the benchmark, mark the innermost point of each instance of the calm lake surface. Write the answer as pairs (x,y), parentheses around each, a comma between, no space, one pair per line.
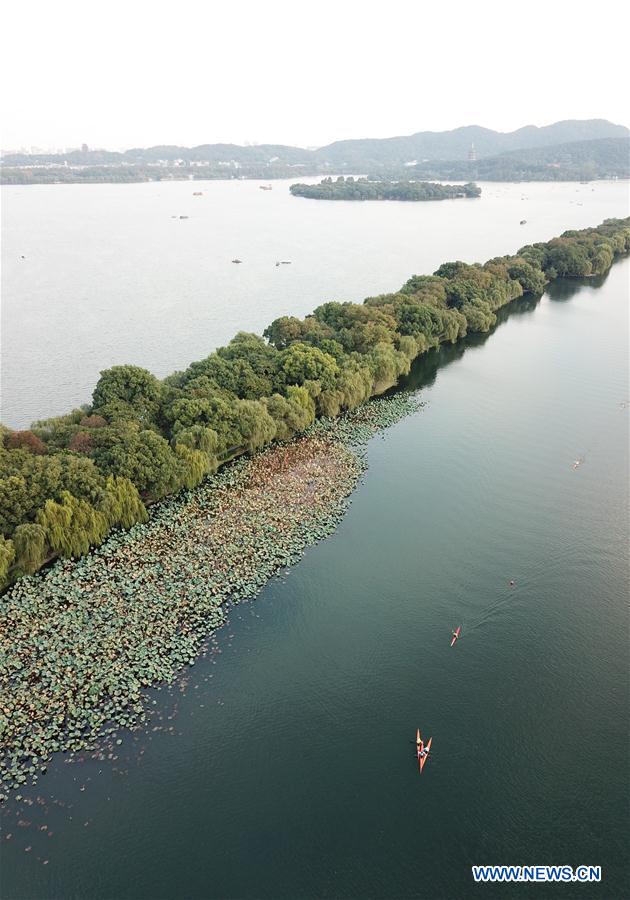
(290,772)
(109,276)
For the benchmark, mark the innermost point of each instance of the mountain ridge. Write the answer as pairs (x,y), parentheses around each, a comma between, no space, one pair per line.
(454,144)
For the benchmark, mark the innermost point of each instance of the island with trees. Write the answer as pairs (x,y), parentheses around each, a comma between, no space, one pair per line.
(68,481)
(350,188)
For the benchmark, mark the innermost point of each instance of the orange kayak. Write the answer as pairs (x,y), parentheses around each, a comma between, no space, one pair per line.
(427,750)
(456,634)
(419,744)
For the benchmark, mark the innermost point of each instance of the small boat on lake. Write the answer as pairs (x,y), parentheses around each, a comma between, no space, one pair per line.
(424,753)
(237,260)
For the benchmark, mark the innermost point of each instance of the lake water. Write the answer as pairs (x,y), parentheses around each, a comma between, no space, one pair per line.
(290,772)
(109,276)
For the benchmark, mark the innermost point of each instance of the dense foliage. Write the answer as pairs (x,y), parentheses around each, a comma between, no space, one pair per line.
(66,482)
(362,189)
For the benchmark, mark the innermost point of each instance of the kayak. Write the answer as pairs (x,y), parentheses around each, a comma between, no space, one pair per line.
(427,750)
(419,744)
(456,635)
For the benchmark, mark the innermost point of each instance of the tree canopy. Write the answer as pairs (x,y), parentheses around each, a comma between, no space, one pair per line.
(68,480)
(349,188)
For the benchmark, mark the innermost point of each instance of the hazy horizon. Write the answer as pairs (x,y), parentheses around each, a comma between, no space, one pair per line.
(304,146)
(278,73)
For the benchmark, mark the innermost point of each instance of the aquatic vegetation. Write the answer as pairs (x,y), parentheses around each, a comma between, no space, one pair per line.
(68,481)
(81,642)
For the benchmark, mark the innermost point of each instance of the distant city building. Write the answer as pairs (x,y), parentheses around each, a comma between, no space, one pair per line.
(472,154)
(84,148)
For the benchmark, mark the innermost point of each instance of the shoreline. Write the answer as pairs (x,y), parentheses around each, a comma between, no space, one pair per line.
(290,178)
(88,637)
(143,438)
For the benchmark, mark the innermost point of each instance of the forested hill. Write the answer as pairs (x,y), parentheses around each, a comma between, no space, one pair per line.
(577,161)
(69,480)
(456,144)
(361,189)
(352,155)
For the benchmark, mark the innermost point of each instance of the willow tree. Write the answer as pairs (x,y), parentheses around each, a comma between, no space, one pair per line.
(72,526)
(7,555)
(29,542)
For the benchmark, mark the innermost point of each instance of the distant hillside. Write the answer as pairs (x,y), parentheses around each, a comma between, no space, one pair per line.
(576,161)
(227,155)
(352,157)
(453,145)
(448,145)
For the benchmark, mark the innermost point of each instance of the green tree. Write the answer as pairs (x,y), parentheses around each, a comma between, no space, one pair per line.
(121,505)
(254,424)
(291,414)
(127,389)
(195,465)
(300,362)
(7,555)
(479,316)
(386,365)
(29,542)
(71,526)
(144,458)
(530,277)
(283,331)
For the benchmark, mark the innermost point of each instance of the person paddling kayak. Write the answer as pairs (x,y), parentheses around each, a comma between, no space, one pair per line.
(424,754)
(455,634)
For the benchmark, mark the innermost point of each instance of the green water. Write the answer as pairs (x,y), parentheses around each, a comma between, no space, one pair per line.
(290,771)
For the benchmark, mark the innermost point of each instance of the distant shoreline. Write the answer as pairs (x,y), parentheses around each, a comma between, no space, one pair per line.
(18,178)
(563,151)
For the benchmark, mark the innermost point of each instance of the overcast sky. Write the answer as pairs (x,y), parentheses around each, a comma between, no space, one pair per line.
(128,74)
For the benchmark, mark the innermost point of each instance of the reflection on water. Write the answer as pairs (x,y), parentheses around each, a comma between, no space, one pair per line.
(566,288)
(282,763)
(425,367)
